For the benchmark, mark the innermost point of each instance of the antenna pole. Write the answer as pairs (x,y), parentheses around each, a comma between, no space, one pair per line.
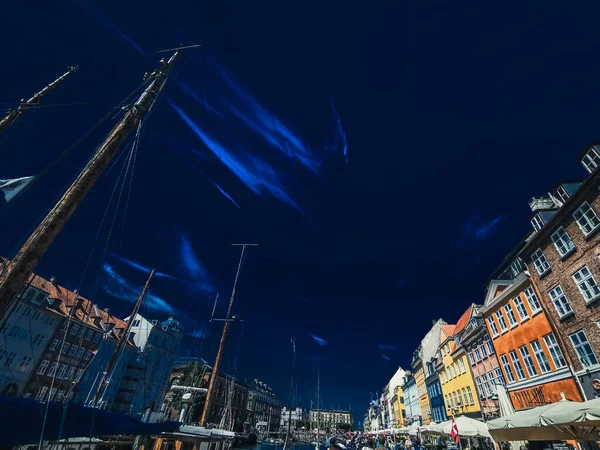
(215,370)
(287,436)
(123,339)
(14,274)
(13,115)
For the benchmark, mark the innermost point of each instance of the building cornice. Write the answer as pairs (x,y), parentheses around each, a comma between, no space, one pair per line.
(568,207)
(508,292)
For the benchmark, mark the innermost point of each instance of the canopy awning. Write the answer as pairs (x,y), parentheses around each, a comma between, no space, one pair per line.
(563,420)
(25,418)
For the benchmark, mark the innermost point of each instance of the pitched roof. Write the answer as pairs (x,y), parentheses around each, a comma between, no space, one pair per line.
(448,329)
(80,308)
(464,319)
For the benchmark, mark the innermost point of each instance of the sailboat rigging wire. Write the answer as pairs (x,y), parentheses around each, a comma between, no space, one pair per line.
(71,147)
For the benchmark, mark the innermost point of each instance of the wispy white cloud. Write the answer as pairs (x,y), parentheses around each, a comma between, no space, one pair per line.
(140,267)
(125,290)
(322,342)
(476,229)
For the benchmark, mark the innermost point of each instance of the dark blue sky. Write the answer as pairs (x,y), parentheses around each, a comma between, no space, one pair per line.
(454,116)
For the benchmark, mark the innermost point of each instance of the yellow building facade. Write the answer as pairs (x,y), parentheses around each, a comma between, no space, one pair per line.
(399,408)
(423,396)
(458,385)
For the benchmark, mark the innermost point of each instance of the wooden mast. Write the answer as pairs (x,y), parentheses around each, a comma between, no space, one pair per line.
(289,428)
(13,115)
(122,340)
(14,274)
(228,320)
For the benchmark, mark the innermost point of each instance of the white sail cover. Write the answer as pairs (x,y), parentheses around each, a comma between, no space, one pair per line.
(10,188)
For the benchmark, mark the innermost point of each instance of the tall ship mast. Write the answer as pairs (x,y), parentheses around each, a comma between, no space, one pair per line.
(14,273)
(13,115)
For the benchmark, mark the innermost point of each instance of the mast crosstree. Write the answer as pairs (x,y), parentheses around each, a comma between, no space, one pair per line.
(14,273)
(13,115)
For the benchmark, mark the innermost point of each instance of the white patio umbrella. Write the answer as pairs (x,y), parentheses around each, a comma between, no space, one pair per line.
(466,427)
(506,409)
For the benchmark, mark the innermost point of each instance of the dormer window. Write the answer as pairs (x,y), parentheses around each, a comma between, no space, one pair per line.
(34,296)
(562,194)
(537,222)
(591,159)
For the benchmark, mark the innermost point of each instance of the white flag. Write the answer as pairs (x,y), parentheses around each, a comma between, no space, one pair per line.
(10,188)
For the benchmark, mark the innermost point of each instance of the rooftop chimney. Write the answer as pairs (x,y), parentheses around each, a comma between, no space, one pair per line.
(107,311)
(53,280)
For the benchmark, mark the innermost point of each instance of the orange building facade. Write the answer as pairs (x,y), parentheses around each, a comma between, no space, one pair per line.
(533,363)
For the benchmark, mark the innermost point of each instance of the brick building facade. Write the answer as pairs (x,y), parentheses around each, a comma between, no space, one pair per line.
(562,257)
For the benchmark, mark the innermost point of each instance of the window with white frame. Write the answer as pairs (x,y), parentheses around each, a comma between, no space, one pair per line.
(583,349)
(52,370)
(586,284)
(499,377)
(463,369)
(81,331)
(501,321)
(24,364)
(41,395)
(554,350)
(97,337)
(531,370)
(65,347)
(79,373)
(88,355)
(562,194)
(74,329)
(521,310)
(591,160)
(488,343)
(483,349)
(540,262)
(533,301)
(486,385)
(35,315)
(471,357)
(562,241)
(586,218)
(517,365)
(479,384)
(52,394)
(89,335)
(62,371)
(80,352)
(471,401)
(10,358)
(512,319)
(561,303)
(70,373)
(73,350)
(49,320)
(507,369)
(538,351)
(536,222)
(43,367)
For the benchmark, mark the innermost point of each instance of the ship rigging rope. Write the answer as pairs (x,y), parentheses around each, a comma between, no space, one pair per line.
(68,321)
(90,130)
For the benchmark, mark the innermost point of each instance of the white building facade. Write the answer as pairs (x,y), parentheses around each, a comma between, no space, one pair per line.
(158,344)
(27,330)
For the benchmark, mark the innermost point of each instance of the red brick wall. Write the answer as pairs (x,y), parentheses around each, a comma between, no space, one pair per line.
(561,272)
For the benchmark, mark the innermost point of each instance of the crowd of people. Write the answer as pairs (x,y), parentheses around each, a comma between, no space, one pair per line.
(366,442)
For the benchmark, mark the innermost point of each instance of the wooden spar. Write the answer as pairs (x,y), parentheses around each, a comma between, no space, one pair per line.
(122,339)
(15,273)
(215,372)
(13,115)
